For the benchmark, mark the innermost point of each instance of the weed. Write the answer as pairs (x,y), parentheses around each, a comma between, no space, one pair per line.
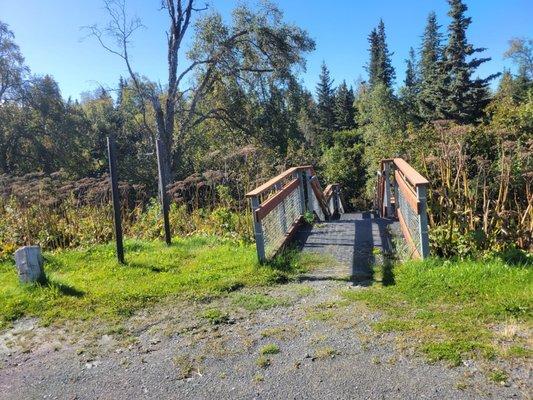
(519,351)
(263,362)
(258,301)
(498,376)
(281,332)
(269,349)
(320,315)
(215,316)
(325,352)
(186,366)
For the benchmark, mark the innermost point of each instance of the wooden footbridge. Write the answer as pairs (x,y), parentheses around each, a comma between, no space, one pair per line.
(282,205)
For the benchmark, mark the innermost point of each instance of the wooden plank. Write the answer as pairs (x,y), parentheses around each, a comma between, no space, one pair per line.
(328,192)
(410,173)
(275,200)
(272,182)
(269,184)
(408,193)
(407,235)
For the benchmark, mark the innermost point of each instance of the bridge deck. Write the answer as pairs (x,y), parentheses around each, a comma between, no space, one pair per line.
(355,241)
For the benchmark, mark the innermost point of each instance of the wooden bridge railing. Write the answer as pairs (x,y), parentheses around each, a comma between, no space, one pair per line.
(401,191)
(279,206)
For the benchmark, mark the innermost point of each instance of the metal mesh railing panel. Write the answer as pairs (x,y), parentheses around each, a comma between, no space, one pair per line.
(411,218)
(277,223)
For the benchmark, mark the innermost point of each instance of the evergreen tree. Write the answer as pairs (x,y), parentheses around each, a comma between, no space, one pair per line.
(325,102)
(432,74)
(373,66)
(466,97)
(387,73)
(411,73)
(344,109)
(409,92)
(121,88)
(380,68)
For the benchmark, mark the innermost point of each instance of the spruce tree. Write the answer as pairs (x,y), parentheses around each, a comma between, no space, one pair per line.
(387,73)
(380,68)
(373,66)
(409,92)
(432,73)
(411,74)
(325,102)
(466,97)
(344,109)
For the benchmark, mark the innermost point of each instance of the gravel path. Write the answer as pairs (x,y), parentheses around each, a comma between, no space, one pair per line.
(327,350)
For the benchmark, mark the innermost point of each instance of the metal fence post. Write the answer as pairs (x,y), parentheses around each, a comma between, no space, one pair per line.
(421,192)
(258,230)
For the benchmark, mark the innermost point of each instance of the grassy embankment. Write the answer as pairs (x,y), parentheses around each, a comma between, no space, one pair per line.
(456,310)
(88,283)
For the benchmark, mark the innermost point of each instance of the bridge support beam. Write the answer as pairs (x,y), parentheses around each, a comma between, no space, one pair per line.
(258,230)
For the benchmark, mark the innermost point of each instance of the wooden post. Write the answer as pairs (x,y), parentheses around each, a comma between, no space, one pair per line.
(301,188)
(112,153)
(421,193)
(163,189)
(387,173)
(258,230)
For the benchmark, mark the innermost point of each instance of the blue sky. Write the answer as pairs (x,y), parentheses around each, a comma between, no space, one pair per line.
(51,39)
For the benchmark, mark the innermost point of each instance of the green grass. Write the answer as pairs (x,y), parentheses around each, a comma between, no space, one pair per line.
(88,283)
(269,349)
(215,316)
(455,310)
(258,301)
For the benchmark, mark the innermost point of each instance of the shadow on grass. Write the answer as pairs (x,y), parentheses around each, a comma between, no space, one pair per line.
(63,288)
(516,257)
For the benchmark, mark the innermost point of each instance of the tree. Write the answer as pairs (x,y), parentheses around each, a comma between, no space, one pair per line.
(521,53)
(373,66)
(432,73)
(12,68)
(344,109)
(387,73)
(380,69)
(409,92)
(467,97)
(325,94)
(258,43)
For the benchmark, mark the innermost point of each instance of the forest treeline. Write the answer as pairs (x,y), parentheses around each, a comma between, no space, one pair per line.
(246,115)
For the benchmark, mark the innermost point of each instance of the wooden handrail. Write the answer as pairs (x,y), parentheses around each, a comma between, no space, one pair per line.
(271,203)
(410,173)
(272,182)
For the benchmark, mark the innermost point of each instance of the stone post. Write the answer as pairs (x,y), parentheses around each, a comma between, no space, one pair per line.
(29,263)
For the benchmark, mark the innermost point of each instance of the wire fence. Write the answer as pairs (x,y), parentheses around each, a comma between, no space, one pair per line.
(280,204)
(410,217)
(278,222)
(401,192)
